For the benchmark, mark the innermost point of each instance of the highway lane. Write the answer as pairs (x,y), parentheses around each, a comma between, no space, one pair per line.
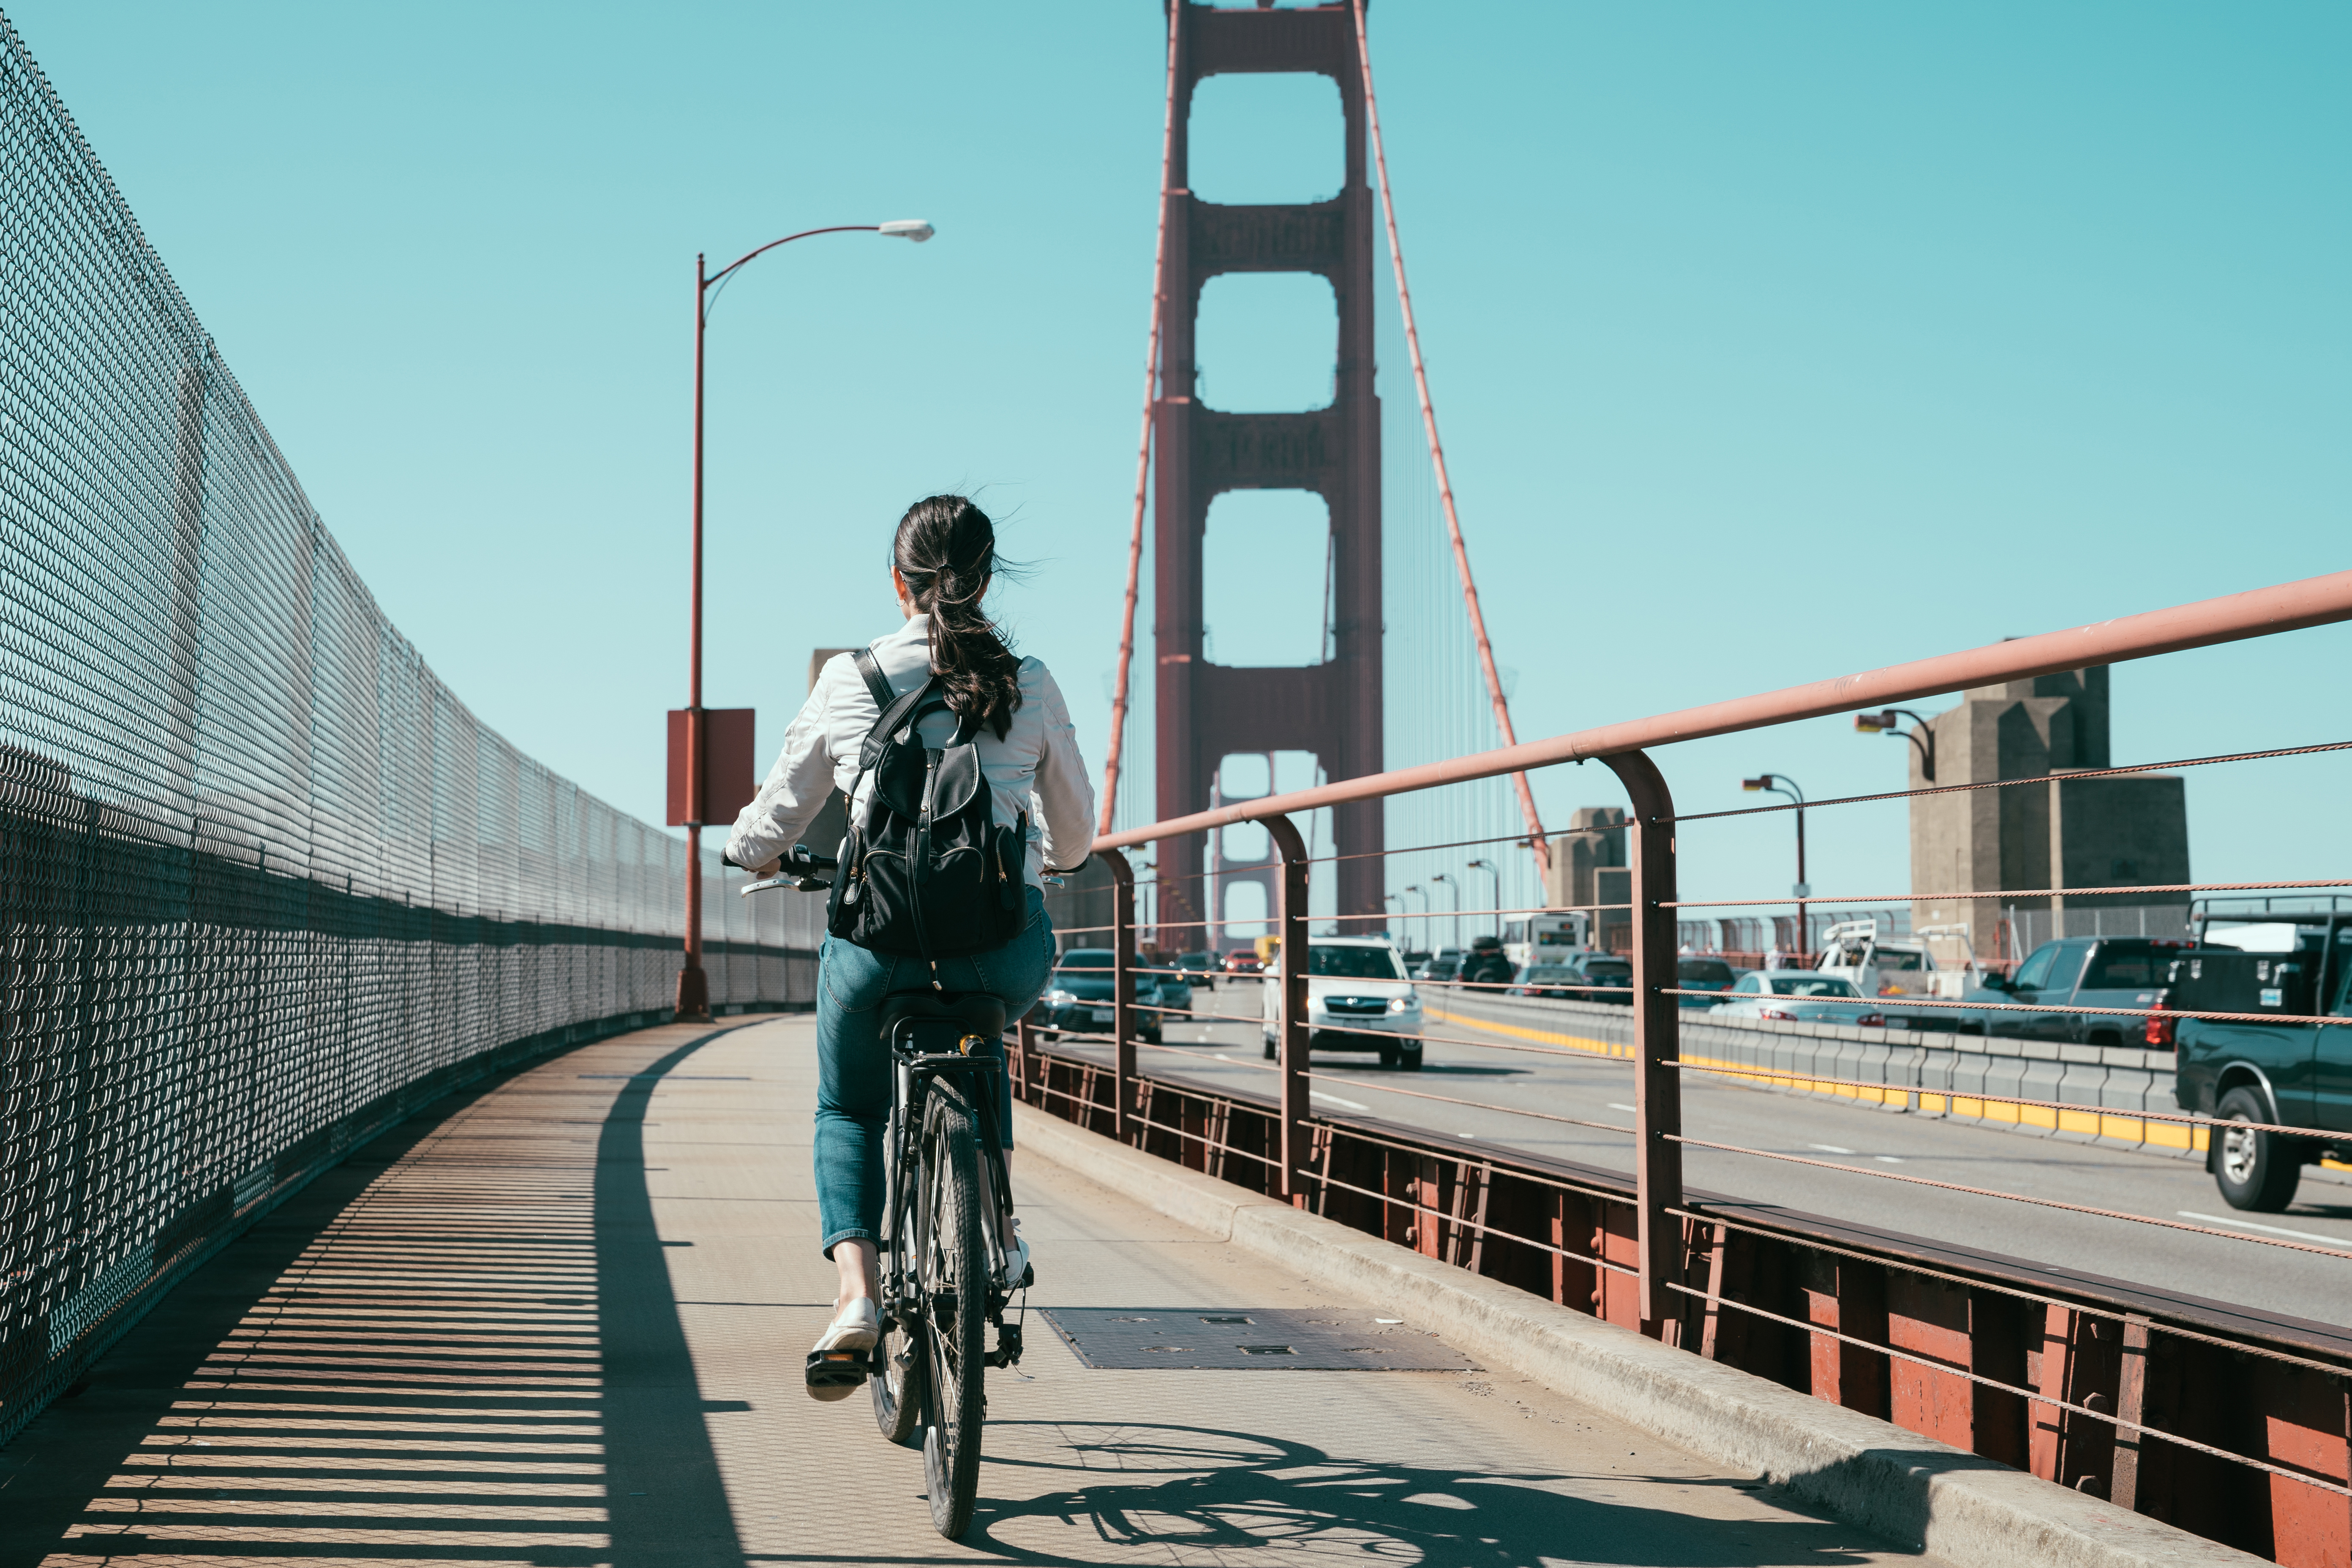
(1855,1144)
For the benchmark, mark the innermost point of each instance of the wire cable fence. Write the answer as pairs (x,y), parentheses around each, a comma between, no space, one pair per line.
(265,884)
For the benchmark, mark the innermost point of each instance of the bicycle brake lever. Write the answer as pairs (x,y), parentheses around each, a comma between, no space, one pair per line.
(793,880)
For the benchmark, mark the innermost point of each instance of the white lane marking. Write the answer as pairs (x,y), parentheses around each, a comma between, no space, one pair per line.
(1335,1099)
(1888,1159)
(1829,1148)
(2266,1229)
(1634,1108)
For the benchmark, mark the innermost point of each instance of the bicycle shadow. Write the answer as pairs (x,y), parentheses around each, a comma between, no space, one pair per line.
(1200,1491)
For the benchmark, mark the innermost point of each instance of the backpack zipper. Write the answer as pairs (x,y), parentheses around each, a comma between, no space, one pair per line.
(920,859)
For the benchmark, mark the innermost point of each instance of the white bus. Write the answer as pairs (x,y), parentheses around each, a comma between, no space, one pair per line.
(1547,938)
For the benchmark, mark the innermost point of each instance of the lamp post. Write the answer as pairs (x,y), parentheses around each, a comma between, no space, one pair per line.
(1488,867)
(1780,784)
(1455,889)
(1921,734)
(693,985)
(1387,899)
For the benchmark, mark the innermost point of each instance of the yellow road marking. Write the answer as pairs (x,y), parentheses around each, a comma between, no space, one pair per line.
(2106,1125)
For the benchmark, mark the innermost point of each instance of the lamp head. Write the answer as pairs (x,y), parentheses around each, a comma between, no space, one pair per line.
(912,228)
(1752,785)
(1876,724)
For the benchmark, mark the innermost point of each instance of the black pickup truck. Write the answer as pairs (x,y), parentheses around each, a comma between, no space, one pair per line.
(2073,972)
(2290,1073)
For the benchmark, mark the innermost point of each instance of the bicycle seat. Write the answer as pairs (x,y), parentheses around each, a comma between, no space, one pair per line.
(975,1013)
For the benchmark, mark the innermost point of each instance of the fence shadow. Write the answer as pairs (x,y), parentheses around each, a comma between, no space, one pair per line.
(461,1342)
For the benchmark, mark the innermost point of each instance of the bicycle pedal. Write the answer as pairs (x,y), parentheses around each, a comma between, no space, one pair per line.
(838,1368)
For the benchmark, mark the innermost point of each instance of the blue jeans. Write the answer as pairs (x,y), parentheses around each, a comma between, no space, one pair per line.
(853,1066)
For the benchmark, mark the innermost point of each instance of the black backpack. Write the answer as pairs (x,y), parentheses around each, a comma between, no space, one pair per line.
(926,871)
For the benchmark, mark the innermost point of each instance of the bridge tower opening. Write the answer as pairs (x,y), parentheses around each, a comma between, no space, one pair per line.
(1207,711)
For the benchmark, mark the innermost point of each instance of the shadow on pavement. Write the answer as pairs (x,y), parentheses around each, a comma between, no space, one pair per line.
(459,1345)
(1196,1489)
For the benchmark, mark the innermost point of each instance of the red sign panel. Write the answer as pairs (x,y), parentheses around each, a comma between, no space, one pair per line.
(729,772)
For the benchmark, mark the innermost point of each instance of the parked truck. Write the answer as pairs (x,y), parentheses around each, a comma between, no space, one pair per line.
(2278,1065)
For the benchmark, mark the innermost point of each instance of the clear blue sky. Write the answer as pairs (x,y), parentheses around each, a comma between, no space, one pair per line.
(1771,342)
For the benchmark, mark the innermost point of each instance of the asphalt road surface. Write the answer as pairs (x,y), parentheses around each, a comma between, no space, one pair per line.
(1855,1142)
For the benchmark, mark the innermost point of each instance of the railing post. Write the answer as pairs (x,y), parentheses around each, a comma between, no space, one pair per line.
(1122,964)
(1290,929)
(1657,1084)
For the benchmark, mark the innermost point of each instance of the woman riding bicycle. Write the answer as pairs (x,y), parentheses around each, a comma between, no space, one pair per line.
(943,561)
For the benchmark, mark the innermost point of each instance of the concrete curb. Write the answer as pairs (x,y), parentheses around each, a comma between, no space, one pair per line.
(1971,1511)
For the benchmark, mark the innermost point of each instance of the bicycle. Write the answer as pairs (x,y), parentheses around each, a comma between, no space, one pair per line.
(948,1194)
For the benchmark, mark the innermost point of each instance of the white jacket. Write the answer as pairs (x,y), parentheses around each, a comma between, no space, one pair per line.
(1035,768)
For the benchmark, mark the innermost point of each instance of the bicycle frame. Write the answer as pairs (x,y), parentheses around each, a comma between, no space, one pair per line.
(913,1073)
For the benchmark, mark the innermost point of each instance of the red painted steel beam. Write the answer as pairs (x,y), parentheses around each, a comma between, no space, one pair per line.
(2260,612)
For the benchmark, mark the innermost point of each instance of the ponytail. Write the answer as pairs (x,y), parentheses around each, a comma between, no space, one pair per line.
(946,550)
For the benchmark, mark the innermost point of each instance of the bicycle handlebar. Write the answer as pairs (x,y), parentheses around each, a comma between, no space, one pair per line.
(799,872)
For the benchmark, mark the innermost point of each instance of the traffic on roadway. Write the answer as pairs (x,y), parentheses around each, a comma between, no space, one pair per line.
(1484,1084)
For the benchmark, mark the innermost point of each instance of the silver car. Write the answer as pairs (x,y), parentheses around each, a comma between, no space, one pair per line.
(1798,997)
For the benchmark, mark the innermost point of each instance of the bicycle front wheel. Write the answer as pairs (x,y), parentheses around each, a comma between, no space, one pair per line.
(954,1273)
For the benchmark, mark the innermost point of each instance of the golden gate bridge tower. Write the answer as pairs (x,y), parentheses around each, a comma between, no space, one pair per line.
(1208,711)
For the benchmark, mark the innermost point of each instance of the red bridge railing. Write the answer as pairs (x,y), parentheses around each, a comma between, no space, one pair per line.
(2231,1423)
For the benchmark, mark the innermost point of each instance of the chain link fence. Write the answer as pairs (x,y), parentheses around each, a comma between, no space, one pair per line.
(266,886)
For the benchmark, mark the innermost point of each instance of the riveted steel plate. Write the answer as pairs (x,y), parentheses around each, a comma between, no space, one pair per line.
(1249,1339)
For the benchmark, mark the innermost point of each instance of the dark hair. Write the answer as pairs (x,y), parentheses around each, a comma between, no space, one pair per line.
(946,550)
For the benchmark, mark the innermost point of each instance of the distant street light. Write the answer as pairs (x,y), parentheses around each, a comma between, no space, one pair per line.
(1488,867)
(1455,893)
(693,985)
(1920,735)
(1780,784)
(1387,899)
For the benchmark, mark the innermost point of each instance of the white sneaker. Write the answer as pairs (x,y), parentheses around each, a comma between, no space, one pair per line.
(844,1352)
(1018,1270)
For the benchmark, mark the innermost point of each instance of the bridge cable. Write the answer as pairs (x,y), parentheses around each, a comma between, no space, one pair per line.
(1537,843)
(1143,443)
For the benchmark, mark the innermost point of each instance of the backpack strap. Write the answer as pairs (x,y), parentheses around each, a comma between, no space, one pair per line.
(872,673)
(895,711)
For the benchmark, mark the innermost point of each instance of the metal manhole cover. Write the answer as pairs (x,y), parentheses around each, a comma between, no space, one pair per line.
(1128,1338)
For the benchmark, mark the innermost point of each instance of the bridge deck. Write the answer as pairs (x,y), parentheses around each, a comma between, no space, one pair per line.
(562,1323)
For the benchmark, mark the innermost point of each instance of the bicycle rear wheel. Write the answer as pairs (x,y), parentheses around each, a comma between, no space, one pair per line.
(953,1254)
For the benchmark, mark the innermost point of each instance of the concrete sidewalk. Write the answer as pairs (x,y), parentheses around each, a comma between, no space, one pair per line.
(563,1323)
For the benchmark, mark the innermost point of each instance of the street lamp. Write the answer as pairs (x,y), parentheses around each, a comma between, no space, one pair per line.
(1488,867)
(1387,899)
(1780,784)
(1920,735)
(1454,925)
(693,985)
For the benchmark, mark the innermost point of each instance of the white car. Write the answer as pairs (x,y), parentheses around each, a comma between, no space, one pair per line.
(1358,999)
(1798,997)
